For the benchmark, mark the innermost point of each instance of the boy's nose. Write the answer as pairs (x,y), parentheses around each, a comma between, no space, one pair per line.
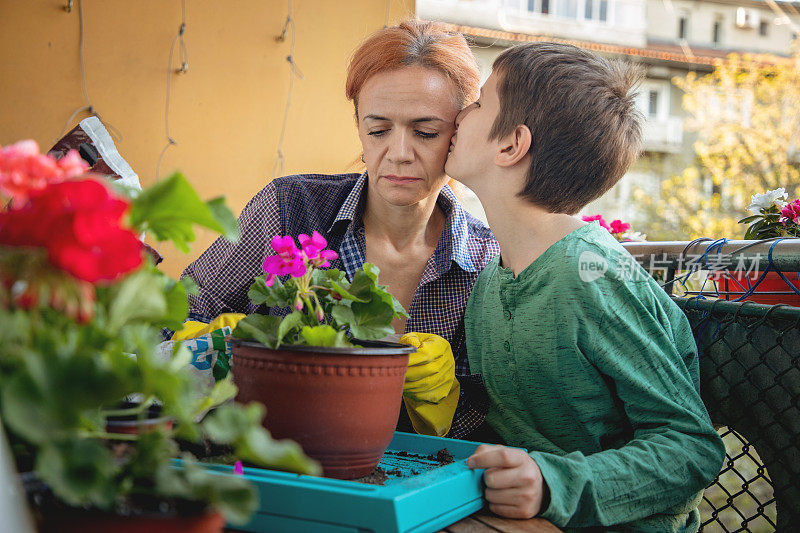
(460,116)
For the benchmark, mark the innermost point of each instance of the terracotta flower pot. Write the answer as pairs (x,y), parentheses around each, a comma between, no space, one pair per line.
(88,522)
(772,289)
(340,404)
(133,425)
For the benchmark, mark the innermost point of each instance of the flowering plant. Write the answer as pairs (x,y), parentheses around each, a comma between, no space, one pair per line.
(321,307)
(772,216)
(78,297)
(619,229)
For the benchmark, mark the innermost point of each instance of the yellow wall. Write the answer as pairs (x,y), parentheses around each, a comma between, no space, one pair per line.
(226,112)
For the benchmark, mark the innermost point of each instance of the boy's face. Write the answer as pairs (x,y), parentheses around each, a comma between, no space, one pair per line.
(471,152)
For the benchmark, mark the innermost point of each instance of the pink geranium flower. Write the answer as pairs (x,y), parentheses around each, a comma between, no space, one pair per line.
(618,226)
(598,218)
(314,248)
(288,261)
(23,170)
(791,212)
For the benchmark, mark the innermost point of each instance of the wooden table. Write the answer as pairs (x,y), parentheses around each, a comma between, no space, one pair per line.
(486,522)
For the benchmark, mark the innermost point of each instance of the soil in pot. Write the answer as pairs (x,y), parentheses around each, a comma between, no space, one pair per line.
(340,404)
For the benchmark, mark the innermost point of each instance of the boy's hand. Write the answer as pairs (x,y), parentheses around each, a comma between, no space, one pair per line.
(514,484)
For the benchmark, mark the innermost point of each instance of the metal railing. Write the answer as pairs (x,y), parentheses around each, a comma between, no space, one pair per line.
(750,381)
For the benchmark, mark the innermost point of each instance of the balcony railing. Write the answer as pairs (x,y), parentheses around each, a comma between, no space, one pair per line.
(663,135)
(749,356)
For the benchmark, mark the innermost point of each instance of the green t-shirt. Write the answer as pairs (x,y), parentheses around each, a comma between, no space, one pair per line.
(592,368)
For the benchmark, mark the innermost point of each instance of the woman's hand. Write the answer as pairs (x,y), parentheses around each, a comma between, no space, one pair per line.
(514,484)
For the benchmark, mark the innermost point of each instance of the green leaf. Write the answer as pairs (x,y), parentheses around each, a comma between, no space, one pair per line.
(169,209)
(225,218)
(229,423)
(223,391)
(289,323)
(259,447)
(240,426)
(140,296)
(278,295)
(79,471)
(22,403)
(372,320)
(324,335)
(749,219)
(177,305)
(262,328)
(372,271)
(234,496)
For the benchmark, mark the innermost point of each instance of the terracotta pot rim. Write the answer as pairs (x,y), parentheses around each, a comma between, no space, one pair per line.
(366,348)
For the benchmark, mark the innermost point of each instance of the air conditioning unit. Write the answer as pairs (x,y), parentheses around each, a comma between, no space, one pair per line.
(747,18)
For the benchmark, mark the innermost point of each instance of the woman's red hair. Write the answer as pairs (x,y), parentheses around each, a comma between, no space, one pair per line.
(415,42)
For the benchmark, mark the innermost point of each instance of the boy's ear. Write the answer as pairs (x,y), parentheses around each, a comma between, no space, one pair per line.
(514,147)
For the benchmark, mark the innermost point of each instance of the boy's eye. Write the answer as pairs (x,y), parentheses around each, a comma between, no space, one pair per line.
(377,133)
(426,135)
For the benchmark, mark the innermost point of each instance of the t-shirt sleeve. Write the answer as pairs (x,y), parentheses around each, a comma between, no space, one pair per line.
(675,451)
(225,271)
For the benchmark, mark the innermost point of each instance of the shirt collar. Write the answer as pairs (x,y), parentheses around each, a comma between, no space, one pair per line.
(351,207)
(452,245)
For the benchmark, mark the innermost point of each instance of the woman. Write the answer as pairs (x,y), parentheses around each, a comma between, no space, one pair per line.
(407,84)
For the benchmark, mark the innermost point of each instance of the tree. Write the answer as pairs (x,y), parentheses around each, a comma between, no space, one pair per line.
(746,114)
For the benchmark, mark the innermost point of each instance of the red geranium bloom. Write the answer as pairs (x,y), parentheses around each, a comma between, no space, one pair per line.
(23,170)
(79,223)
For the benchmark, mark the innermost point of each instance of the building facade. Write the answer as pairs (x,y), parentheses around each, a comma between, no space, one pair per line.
(668,37)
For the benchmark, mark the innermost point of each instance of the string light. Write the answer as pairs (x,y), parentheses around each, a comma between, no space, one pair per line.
(294,70)
(182,69)
(89,108)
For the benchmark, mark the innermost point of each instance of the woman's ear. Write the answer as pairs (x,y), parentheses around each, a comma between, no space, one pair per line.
(514,147)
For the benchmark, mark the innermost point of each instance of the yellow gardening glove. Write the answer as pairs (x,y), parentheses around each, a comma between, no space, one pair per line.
(192,329)
(431,390)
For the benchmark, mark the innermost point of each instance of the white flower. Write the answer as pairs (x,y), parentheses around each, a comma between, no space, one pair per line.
(635,236)
(767,200)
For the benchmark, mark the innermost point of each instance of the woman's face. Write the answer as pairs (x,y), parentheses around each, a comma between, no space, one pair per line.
(406,118)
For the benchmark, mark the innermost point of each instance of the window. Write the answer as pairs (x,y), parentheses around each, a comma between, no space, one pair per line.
(763,28)
(591,10)
(683,26)
(652,104)
(653,99)
(603,10)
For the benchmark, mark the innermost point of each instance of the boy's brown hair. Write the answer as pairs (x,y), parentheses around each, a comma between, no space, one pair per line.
(586,130)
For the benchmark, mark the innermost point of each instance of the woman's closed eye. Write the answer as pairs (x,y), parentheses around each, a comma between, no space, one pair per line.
(418,133)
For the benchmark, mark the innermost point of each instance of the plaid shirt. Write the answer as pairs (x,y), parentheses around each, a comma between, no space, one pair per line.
(333,205)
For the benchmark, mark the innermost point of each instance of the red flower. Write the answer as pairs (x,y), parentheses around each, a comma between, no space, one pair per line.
(618,226)
(599,219)
(79,224)
(23,170)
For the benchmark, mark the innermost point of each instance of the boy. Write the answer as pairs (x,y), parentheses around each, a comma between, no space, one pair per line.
(587,362)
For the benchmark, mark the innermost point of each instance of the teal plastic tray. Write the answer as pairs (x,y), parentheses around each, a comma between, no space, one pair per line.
(425,496)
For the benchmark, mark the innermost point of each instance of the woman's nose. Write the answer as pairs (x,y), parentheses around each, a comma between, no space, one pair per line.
(400,149)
